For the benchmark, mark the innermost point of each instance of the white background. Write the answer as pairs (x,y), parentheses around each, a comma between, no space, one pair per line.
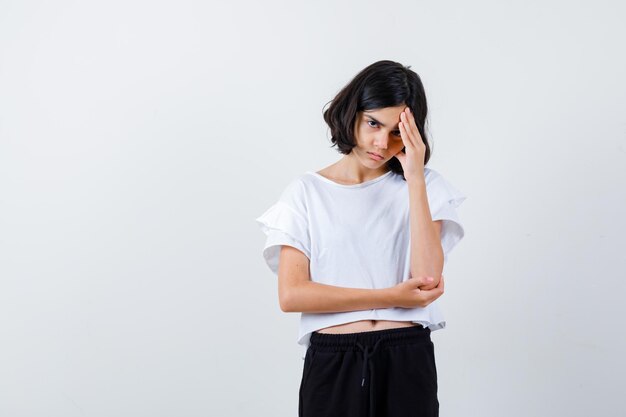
(139,140)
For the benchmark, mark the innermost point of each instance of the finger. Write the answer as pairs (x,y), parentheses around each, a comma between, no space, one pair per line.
(434,292)
(406,138)
(413,126)
(404,121)
(419,281)
(429,296)
(427,280)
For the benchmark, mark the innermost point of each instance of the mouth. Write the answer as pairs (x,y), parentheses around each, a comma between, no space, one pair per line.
(376,156)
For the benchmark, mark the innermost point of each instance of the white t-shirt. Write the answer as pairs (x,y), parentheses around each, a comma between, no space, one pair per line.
(358,236)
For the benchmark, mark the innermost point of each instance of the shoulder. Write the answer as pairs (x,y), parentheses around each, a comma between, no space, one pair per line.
(294,193)
(296,186)
(431,175)
(434,179)
(439,186)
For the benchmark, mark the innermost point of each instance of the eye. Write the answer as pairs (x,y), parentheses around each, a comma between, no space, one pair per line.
(372,123)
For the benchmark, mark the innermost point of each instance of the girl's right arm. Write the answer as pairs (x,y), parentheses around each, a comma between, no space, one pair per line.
(297,293)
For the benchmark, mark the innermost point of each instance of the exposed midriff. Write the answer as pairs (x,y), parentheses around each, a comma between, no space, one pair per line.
(366,326)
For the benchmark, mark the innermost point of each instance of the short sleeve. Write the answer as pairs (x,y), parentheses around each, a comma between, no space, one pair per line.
(285,223)
(444,200)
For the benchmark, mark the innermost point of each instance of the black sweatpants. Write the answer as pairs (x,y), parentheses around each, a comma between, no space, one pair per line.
(382,373)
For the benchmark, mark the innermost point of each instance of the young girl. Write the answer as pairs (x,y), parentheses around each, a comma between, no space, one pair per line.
(359,249)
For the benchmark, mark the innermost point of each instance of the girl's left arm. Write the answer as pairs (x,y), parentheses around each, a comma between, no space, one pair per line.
(426,250)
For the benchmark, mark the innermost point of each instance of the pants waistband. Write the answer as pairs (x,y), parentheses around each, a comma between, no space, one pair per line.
(350,341)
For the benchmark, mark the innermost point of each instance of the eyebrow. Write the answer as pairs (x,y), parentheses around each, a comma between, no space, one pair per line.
(374,120)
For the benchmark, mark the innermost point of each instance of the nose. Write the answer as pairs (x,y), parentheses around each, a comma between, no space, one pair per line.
(381,140)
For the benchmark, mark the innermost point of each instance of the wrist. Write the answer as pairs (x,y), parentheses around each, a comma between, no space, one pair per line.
(388,297)
(417,180)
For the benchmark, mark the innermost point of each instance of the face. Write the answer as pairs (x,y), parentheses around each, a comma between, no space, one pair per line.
(376,131)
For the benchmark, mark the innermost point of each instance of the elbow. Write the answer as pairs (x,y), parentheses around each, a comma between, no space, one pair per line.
(284,306)
(290,293)
(285,302)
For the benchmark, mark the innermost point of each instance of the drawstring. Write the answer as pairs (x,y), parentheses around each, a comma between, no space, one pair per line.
(367,355)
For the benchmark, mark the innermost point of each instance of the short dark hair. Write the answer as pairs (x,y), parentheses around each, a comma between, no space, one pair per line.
(382,84)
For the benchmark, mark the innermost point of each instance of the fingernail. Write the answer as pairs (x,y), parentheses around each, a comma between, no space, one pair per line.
(430,279)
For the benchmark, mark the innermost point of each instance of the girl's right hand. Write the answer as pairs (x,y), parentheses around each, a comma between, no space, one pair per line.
(407,294)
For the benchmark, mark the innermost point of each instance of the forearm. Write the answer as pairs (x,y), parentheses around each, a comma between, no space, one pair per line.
(314,297)
(426,250)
